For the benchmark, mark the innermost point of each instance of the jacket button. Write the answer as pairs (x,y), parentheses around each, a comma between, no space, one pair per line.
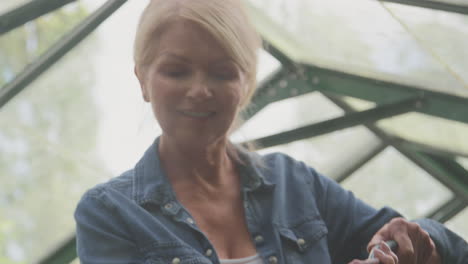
(168,206)
(209,252)
(301,242)
(176,261)
(272,260)
(190,221)
(258,239)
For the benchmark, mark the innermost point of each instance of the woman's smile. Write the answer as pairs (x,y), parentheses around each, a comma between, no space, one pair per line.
(197,114)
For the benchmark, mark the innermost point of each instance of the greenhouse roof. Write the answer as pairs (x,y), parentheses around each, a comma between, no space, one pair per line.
(378,87)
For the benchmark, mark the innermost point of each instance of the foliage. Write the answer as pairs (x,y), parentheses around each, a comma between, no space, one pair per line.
(47,139)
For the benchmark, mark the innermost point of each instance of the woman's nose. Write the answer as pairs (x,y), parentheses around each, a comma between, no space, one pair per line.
(199,88)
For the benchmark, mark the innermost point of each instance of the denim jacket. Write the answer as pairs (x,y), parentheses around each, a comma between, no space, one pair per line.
(294,215)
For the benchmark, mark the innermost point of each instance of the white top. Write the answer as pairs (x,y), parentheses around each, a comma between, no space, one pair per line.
(255,259)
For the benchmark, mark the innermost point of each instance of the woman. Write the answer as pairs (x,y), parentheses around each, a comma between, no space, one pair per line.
(194,197)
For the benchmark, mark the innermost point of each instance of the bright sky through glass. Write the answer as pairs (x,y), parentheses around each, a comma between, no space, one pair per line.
(369,38)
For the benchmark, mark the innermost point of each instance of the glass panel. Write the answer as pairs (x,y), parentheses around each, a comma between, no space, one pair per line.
(7,5)
(23,45)
(463,162)
(345,35)
(458,224)
(296,112)
(321,152)
(95,3)
(267,64)
(47,141)
(391,180)
(67,132)
(441,133)
(126,122)
(443,34)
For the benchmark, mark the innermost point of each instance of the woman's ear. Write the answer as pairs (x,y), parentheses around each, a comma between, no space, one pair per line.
(141,78)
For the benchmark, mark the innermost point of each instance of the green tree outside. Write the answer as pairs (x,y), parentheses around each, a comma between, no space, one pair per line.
(47,138)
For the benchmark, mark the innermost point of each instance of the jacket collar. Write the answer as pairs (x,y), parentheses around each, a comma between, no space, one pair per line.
(252,172)
(151,185)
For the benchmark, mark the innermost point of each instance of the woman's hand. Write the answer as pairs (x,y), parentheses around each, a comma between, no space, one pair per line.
(382,255)
(415,246)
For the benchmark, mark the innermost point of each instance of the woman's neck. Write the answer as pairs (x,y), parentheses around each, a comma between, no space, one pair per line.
(195,163)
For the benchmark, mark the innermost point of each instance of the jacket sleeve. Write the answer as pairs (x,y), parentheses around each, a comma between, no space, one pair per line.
(451,247)
(352,223)
(101,238)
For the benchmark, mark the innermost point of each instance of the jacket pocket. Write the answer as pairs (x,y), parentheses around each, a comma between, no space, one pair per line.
(172,253)
(305,242)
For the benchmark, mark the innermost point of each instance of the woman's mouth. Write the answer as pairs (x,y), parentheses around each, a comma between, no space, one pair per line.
(197,114)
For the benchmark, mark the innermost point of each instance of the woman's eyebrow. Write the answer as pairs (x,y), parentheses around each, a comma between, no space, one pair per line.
(174,56)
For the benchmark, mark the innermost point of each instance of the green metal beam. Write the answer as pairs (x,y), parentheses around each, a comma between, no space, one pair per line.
(444,175)
(308,78)
(447,210)
(57,51)
(66,253)
(378,91)
(357,118)
(316,82)
(27,12)
(438,104)
(455,171)
(447,172)
(283,84)
(437,151)
(278,55)
(432,4)
(362,157)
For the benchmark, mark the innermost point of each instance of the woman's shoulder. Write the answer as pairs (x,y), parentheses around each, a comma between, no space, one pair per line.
(120,185)
(282,161)
(280,167)
(279,157)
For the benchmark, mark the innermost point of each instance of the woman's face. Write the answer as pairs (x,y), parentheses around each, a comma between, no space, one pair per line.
(193,85)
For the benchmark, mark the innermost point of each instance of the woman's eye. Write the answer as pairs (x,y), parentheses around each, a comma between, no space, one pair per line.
(177,73)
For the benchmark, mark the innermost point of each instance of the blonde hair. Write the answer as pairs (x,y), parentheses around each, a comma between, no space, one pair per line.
(226,20)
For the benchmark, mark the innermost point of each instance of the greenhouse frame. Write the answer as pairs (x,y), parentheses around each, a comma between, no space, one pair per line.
(303,69)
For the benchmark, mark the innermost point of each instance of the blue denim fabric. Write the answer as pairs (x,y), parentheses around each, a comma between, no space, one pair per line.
(294,215)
